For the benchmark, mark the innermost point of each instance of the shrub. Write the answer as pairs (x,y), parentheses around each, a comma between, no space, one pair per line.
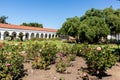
(65,49)
(32,49)
(71,57)
(62,78)
(8,38)
(47,56)
(117,53)
(76,50)
(38,39)
(11,67)
(53,39)
(13,47)
(17,39)
(61,66)
(99,59)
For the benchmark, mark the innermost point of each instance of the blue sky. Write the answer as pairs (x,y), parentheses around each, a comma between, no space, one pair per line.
(50,13)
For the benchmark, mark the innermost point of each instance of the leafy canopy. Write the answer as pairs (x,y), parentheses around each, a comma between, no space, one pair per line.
(32,24)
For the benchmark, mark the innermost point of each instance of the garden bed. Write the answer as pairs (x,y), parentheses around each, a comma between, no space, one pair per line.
(55,60)
(51,74)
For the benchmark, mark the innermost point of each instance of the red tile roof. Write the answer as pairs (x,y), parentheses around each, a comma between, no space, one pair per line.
(10,26)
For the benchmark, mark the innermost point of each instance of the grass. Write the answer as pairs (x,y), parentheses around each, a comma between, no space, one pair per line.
(60,43)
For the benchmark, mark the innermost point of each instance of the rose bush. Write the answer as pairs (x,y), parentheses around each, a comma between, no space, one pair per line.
(99,59)
(46,56)
(11,64)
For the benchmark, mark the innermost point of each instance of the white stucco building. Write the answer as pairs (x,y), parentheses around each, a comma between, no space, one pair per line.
(28,32)
(117,37)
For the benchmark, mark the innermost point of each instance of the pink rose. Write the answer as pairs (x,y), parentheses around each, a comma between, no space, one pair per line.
(8,65)
(98,48)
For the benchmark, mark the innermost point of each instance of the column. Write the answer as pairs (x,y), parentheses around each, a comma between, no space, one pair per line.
(54,35)
(29,36)
(2,35)
(35,35)
(39,35)
(24,35)
(47,36)
(10,33)
(17,34)
(43,35)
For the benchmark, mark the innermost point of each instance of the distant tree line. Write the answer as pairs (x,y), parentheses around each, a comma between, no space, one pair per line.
(32,24)
(93,26)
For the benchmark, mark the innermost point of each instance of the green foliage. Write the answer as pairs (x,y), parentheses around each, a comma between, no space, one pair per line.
(47,56)
(117,53)
(40,64)
(70,27)
(13,47)
(92,12)
(94,25)
(76,49)
(17,39)
(8,38)
(99,59)
(62,78)
(11,64)
(71,57)
(3,19)
(96,30)
(61,66)
(32,24)
(32,49)
(112,18)
(38,39)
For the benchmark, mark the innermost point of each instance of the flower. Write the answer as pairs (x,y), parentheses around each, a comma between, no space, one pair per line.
(8,65)
(16,44)
(85,76)
(1,45)
(40,50)
(20,43)
(23,53)
(98,48)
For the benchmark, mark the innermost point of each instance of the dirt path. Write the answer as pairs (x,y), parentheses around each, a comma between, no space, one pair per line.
(114,72)
(77,64)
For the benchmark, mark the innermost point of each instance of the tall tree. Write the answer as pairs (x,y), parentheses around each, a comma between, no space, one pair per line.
(92,12)
(85,33)
(117,12)
(112,18)
(32,24)
(3,19)
(70,26)
(96,28)
(93,25)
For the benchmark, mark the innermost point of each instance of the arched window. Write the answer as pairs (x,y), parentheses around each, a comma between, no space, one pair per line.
(32,35)
(6,34)
(26,35)
(37,35)
(49,35)
(42,35)
(21,36)
(53,36)
(45,35)
(13,36)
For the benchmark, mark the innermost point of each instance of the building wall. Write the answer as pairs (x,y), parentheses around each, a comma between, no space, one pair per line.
(28,34)
(117,36)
